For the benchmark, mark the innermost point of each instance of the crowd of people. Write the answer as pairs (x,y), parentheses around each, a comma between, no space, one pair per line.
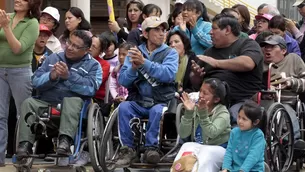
(148,64)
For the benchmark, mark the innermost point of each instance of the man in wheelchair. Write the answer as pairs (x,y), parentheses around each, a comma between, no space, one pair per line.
(149,73)
(65,78)
(287,75)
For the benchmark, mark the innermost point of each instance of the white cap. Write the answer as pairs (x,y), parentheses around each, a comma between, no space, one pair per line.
(53,12)
(180,1)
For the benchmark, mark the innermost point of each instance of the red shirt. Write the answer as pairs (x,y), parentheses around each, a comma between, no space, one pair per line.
(100,94)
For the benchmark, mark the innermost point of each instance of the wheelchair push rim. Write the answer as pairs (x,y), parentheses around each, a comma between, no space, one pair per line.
(280,138)
(95,131)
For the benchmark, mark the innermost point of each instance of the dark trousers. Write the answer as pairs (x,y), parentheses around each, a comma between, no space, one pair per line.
(11,123)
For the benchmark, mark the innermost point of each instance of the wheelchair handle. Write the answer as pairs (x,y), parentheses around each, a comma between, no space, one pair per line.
(269,74)
(27,117)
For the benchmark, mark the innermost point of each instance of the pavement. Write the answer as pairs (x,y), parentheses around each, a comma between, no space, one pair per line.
(42,166)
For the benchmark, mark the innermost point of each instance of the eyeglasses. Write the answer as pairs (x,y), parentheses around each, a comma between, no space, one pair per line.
(301,5)
(45,19)
(74,46)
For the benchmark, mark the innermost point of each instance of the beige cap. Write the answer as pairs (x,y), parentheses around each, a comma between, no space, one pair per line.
(153,22)
(298,2)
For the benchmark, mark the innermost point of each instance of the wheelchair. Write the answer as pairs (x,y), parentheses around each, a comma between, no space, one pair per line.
(111,144)
(282,148)
(89,134)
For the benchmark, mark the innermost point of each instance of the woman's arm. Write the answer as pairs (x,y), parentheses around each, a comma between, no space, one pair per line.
(186,125)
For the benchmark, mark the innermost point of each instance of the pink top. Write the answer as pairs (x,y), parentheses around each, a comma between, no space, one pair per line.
(114,87)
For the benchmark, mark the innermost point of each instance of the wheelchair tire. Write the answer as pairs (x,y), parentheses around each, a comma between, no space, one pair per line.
(178,115)
(280,138)
(110,144)
(25,164)
(95,130)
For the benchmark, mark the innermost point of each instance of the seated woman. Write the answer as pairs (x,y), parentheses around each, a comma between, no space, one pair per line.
(206,122)
(245,151)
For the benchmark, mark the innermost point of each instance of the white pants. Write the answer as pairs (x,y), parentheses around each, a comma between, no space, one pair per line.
(209,157)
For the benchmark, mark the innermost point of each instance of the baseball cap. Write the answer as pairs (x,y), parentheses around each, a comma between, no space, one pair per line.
(275,40)
(43,28)
(297,3)
(264,16)
(153,22)
(53,12)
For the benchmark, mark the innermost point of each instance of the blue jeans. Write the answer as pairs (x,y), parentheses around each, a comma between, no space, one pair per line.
(14,82)
(129,110)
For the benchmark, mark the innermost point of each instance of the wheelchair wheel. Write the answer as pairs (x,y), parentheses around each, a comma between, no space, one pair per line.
(280,138)
(23,164)
(95,129)
(110,144)
(178,115)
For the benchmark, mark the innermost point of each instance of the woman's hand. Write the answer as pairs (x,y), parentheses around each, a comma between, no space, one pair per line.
(114,26)
(202,104)
(187,102)
(193,21)
(182,26)
(4,19)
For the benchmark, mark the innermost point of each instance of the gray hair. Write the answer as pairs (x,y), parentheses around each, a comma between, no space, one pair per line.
(272,10)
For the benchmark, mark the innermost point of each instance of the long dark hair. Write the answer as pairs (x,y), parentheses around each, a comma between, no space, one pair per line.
(254,112)
(245,14)
(220,89)
(83,25)
(173,16)
(34,9)
(140,5)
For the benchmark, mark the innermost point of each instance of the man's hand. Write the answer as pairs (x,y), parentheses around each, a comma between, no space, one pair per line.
(62,70)
(4,19)
(136,58)
(209,60)
(197,70)
(54,75)
(114,26)
(289,24)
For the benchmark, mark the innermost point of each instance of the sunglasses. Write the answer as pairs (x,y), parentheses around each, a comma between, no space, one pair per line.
(301,5)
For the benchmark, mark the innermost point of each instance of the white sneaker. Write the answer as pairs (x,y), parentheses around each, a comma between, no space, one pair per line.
(84,158)
(63,161)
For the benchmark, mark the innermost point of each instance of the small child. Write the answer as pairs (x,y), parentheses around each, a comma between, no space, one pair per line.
(209,119)
(118,92)
(245,151)
(110,53)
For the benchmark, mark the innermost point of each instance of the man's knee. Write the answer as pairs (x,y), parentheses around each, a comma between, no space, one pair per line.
(124,106)
(158,110)
(75,100)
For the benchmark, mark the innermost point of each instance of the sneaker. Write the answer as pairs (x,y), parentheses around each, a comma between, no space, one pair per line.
(63,161)
(126,156)
(84,158)
(152,155)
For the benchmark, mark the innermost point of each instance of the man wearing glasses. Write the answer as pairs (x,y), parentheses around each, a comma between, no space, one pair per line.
(66,78)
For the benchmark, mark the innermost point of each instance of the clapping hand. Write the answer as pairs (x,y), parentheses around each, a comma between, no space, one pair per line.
(136,57)
(187,102)
(182,26)
(4,19)
(62,70)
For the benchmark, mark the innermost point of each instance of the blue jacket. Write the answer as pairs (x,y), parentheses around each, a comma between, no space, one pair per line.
(84,80)
(245,151)
(199,36)
(163,73)
(292,45)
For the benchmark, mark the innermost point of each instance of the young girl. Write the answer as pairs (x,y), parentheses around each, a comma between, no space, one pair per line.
(110,53)
(210,117)
(118,92)
(245,151)
(207,122)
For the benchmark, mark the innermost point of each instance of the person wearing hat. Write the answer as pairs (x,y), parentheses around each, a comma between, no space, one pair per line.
(41,51)
(292,82)
(262,24)
(50,18)
(149,74)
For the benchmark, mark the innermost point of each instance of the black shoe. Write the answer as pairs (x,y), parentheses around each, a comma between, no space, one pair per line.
(24,149)
(63,147)
(8,155)
(126,156)
(152,155)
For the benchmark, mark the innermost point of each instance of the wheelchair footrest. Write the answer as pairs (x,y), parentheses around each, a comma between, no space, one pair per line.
(54,155)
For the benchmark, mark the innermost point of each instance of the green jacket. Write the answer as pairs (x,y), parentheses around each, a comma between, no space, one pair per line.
(26,31)
(215,126)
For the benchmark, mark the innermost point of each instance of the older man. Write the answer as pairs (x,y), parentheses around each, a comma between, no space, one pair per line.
(149,73)
(67,78)
(238,61)
(275,51)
